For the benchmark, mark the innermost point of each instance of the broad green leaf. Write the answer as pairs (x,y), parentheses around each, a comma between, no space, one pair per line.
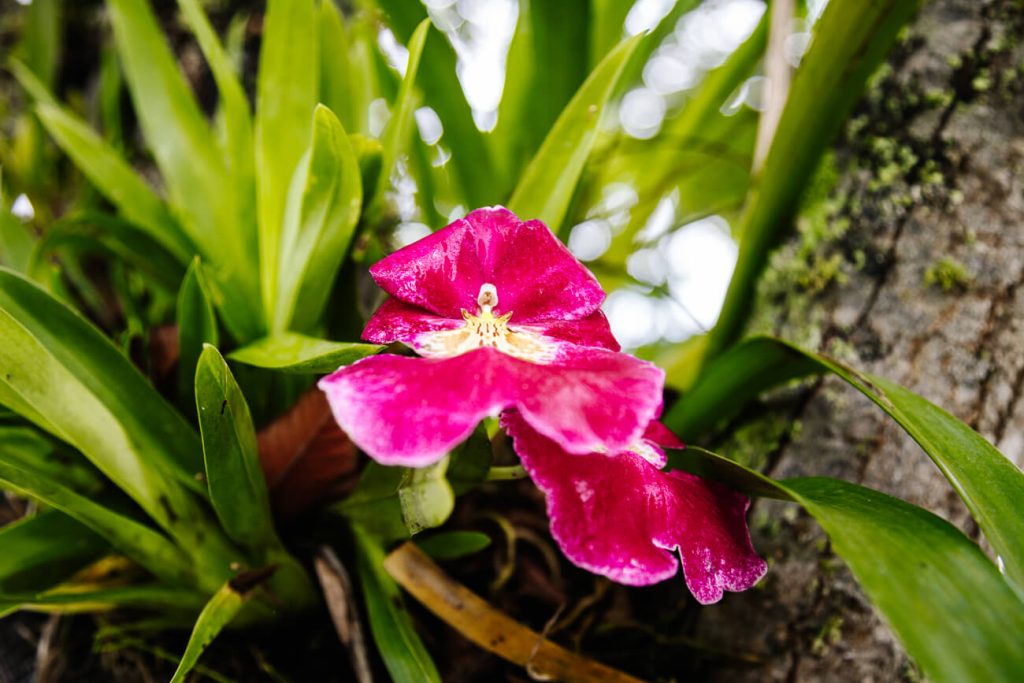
(850,40)
(471,161)
(404,655)
(948,604)
(547,62)
(143,544)
(607,26)
(16,242)
(193,170)
(237,122)
(62,373)
(297,353)
(105,168)
(320,218)
(347,81)
(238,490)
(218,613)
(450,545)
(175,128)
(287,91)
(197,325)
(45,549)
(90,395)
(94,231)
(398,502)
(546,188)
(990,485)
(396,137)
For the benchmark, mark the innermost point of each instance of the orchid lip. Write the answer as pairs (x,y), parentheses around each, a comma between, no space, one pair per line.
(484,329)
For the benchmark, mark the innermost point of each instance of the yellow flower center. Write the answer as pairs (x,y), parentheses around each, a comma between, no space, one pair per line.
(484,329)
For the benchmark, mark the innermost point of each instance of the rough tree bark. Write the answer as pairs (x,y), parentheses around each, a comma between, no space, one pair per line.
(910,266)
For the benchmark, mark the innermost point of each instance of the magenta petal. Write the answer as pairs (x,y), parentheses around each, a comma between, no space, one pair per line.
(411,411)
(621,517)
(398,321)
(535,275)
(590,331)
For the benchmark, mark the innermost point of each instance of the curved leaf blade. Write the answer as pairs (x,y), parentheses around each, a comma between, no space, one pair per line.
(850,40)
(296,353)
(948,604)
(287,88)
(546,188)
(319,224)
(404,655)
(238,491)
(45,549)
(990,484)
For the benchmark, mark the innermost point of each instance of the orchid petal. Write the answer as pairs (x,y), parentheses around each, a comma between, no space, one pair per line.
(411,411)
(621,517)
(535,276)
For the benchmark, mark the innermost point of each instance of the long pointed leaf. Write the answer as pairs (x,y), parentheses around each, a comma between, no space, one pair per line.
(547,187)
(850,41)
(296,353)
(479,178)
(319,224)
(989,483)
(237,488)
(404,654)
(286,94)
(948,604)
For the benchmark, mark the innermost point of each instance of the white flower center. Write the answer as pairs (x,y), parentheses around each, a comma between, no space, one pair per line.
(484,329)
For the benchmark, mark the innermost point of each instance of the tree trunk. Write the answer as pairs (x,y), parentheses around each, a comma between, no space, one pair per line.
(908,264)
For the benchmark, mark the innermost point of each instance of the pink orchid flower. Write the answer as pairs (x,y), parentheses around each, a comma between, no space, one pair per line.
(503,317)
(621,516)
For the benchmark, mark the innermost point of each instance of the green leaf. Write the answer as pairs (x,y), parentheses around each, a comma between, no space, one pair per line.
(143,544)
(546,188)
(193,169)
(45,549)
(851,39)
(63,370)
(106,169)
(40,44)
(948,604)
(404,655)
(238,490)
(63,374)
(450,545)
(990,484)
(297,353)
(471,161)
(71,599)
(320,218)
(220,611)
(237,122)
(396,137)
(398,502)
(470,462)
(197,326)
(286,93)
(548,55)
